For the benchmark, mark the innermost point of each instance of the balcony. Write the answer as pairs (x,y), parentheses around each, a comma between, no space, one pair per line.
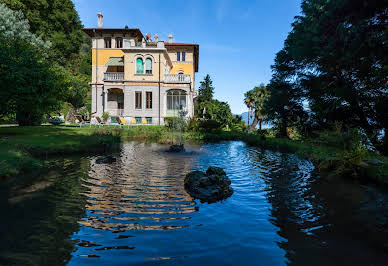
(177,78)
(113,76)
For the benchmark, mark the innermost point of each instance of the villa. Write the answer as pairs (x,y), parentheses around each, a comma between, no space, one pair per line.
(140,79)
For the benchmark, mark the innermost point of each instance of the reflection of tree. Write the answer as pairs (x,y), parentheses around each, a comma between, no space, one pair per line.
(320,221)
(36,230)
(143,191)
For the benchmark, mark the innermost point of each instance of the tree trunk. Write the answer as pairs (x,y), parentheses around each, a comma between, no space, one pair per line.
(260,123)
(254,124)
(283,129)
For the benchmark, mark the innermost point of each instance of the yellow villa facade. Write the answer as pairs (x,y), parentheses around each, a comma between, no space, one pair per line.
(141,79)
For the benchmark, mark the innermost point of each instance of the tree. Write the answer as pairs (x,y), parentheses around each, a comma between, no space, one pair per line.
(13,26)
(205,95)
(206,89)
(334,61)
(55,21)
(30,85)
(211,111)
(255,99)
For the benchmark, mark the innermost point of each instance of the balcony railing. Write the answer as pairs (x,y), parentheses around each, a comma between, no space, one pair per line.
(115,112)
(171,78)
(113,76)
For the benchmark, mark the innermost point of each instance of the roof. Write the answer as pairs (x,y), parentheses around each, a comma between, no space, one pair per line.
(133,31)
(115,61)
(137,33)
(196,50)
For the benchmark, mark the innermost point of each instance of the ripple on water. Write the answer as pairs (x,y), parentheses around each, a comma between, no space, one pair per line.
(136,211)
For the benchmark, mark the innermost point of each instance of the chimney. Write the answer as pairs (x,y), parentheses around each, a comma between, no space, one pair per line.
(170,38)
(156,38)
(148,37)
(99,20)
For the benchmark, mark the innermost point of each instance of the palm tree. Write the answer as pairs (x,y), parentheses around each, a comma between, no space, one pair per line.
(254,100)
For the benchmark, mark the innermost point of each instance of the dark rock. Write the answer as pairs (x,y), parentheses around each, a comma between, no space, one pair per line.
(176,148)
(108,159)
(213,170)
(211,186)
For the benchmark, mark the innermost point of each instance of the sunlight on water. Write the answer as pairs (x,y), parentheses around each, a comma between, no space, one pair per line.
(136,211)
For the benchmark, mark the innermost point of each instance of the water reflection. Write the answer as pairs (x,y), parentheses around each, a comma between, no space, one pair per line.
(323,223)
(136,211)
(38,219)
(143,190)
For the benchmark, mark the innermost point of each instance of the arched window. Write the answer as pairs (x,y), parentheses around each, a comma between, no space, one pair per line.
(139,66)
(176,99)
(148,66)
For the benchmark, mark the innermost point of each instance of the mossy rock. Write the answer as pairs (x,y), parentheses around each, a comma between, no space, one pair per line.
(209,187)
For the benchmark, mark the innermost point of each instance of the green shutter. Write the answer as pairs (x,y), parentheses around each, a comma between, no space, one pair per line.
(139,66)
(148,64)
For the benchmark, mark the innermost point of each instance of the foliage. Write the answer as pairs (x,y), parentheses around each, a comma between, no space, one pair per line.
(192,125)
(13,26)
(333,62)
(254,100)
(175,123)
(77,89)
(237,124)
(56,21)
(23,148)
(210,126)
(207,108)
(105,116)
(31,86)
(206,89)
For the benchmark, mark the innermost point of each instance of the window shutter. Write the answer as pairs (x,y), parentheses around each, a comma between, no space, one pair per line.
(139,66)
(178,56)
(148,65)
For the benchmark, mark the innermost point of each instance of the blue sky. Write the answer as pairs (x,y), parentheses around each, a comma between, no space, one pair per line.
(237,40)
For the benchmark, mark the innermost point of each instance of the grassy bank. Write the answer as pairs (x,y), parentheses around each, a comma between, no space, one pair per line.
(23,149)
(331,160)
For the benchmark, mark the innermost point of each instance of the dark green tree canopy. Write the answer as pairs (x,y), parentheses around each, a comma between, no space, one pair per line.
(56,21)
(206,89)
(334,62)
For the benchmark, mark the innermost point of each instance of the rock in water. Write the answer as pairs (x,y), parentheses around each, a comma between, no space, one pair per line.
(108,159)
(176,148)
(209,187)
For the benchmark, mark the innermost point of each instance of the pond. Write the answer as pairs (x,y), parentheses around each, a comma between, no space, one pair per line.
(136,211)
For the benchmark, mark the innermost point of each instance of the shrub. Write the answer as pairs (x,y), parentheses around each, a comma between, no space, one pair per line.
(105,116)
(210,125)
(175,123)
(192,125)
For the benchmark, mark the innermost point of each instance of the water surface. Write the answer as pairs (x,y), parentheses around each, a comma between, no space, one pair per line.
(136,211)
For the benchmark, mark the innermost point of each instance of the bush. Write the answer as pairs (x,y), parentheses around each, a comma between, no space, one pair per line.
(210,125)
(105,116)
(175,123)
(192,125)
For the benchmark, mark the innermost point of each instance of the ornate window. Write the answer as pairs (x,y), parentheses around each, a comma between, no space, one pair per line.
(176,99)
(108,42)
(119,42)
(148,66)
(138,100)
(149,100)
(139,66)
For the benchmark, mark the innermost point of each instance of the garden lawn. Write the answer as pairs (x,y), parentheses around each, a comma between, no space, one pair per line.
(22,149)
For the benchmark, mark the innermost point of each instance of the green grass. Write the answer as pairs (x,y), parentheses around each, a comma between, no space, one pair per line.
(22,149)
